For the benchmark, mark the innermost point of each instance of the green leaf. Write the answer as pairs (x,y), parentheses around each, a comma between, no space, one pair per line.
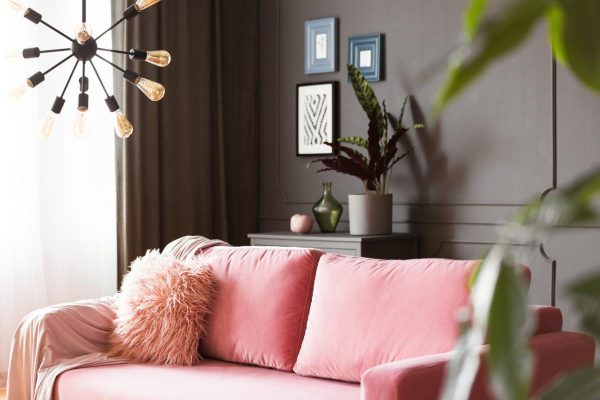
(585,189)
(510,363)
(586,295)
(498,301)
(353,154)
(495,39)
(347,166)
(556,21)
(366,97)
(355,140)
(580,385)
(472,17)
(395,160)
(575,35)
(404,103)
(569,206)
(463,368)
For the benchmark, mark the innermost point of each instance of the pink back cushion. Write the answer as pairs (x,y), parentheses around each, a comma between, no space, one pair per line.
(262,302)
(368,312)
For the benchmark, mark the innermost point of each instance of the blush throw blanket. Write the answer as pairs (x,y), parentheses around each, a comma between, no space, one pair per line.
(59,338)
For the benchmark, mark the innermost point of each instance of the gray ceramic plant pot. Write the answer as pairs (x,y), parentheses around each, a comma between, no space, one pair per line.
(370,214)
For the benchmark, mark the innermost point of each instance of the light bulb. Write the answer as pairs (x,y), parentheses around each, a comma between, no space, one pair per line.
(17,6)
(123,127)
(13,55)
(82,127)
(47,125)
(141,5)
(83,33)
(153,90)
(19,91)
(160,58)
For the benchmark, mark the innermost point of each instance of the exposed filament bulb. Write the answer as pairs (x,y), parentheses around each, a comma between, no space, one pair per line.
(123,127)
(19,91)
(81,129)
(153,90)
(83,33)
(17,6)
(141,5)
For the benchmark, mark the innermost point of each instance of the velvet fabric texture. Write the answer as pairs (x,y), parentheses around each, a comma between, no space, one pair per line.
(548,319)
(161,310)
(261,306)
(368,312)
(211,380)
(191,165)
(422,378)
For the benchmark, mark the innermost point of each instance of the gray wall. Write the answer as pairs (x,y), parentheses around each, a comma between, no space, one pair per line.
(491,153)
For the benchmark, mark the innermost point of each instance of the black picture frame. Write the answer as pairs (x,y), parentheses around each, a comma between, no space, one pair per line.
(318,120)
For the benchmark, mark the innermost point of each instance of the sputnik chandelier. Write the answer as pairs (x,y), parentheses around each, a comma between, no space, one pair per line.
(84,48)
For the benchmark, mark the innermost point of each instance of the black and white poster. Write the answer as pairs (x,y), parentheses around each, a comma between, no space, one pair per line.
(316,116)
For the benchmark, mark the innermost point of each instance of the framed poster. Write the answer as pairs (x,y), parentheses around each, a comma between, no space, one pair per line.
(316,118)
(366,52)
(320,46)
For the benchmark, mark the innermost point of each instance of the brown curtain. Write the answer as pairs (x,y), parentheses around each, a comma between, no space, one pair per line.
(191,165)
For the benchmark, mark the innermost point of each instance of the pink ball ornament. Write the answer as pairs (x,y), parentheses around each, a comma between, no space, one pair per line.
(300,223)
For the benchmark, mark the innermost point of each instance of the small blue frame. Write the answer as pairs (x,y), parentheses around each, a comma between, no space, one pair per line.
(366,53)
(320,45)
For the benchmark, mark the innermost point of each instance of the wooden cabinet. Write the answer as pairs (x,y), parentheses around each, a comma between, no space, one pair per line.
(394,246)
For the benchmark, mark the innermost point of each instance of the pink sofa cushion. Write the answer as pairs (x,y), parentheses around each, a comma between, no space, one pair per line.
(215,380)
(261,307)
(368,312)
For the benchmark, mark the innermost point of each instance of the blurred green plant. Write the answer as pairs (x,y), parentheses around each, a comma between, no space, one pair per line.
(573,32)
(498,305)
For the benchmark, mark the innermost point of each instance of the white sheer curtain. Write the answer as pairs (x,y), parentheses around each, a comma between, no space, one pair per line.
(57,195)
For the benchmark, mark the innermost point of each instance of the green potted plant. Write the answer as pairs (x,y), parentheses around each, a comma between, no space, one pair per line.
(371,160)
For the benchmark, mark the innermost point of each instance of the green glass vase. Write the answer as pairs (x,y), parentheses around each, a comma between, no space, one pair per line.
(327,210)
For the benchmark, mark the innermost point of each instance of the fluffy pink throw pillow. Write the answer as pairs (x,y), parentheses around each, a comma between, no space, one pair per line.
(161,310)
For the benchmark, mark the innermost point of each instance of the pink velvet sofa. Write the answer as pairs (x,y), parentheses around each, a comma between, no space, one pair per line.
(298,324)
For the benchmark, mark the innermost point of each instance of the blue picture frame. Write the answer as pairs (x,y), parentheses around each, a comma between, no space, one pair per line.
(366,52)
(320,45)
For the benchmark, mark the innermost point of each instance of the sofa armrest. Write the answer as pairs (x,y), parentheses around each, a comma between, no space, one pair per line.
(422,378)
(548,319)
(415,378)
(50,335)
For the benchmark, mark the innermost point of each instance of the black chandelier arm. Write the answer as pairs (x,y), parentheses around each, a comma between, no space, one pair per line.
(113,26)
(69,80)
(110,63)
(56,30)
(35,52)
(83,11)
(116,51)
(84,81)
(54,50)
(131,12)
(100,79)
(57,65)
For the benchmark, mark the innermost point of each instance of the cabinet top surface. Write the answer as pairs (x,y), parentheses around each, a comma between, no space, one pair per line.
(334,237)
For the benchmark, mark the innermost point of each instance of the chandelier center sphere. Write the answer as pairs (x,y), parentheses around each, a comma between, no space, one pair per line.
(84,51)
